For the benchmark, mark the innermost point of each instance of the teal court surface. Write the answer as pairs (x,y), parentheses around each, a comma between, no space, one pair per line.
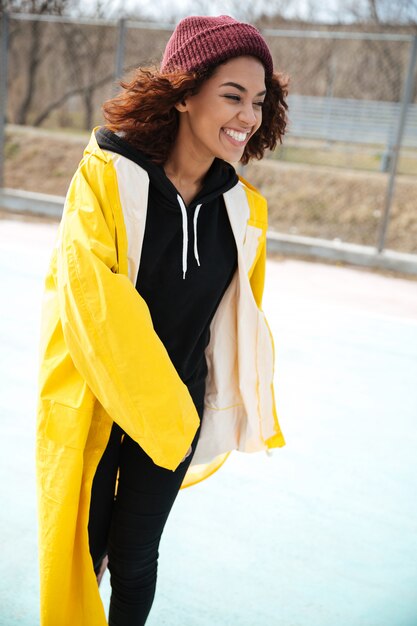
(321,533)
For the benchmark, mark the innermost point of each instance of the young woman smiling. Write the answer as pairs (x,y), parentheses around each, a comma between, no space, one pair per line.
(157,360)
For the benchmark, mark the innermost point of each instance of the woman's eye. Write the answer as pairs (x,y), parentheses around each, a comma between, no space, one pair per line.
(237,98)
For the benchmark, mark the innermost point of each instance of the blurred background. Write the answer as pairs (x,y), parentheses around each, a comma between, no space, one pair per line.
(324,532)
(347,171)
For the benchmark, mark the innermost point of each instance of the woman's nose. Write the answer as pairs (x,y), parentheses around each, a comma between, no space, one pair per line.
(247,115)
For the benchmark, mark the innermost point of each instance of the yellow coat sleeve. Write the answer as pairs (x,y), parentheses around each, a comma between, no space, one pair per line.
(108,328)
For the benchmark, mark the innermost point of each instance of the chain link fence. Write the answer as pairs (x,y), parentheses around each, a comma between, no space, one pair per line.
(334,173)
(347,168)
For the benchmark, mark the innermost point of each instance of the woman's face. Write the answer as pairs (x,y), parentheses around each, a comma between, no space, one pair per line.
(221,118)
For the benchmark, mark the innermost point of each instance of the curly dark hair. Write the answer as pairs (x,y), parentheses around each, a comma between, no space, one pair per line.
(145,111)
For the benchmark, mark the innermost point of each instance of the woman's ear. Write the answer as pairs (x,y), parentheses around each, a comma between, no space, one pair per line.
(181,106)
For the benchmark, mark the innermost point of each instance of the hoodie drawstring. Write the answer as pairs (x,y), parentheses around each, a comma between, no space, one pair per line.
(185,234)
(196,212)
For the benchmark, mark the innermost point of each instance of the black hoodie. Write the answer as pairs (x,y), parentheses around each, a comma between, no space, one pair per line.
(182,278)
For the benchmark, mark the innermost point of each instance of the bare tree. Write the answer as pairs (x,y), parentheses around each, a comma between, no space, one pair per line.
(84,51)
(37,49)
(51,64)
(384,12)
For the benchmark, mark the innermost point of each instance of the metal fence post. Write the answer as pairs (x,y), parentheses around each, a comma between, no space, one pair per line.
(406,99)
(4,37)
(120,51)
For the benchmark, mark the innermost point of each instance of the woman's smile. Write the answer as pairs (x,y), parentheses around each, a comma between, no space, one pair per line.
(237,138)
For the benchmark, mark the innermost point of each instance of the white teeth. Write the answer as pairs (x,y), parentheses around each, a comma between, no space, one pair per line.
(235,134)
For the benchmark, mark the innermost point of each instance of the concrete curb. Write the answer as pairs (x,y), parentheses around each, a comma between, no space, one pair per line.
(366,256)
(32,203)
(41,204)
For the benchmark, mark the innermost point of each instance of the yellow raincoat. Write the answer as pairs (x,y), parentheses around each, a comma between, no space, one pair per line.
(101,361)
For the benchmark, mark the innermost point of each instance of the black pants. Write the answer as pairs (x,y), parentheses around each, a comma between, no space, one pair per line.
(129,527)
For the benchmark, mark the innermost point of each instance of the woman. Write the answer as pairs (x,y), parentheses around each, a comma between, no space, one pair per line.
(153,340)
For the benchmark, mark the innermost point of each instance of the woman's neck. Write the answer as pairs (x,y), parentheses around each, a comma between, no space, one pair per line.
(185,173)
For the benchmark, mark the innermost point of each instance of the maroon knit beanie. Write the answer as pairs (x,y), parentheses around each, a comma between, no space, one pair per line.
(200,41)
